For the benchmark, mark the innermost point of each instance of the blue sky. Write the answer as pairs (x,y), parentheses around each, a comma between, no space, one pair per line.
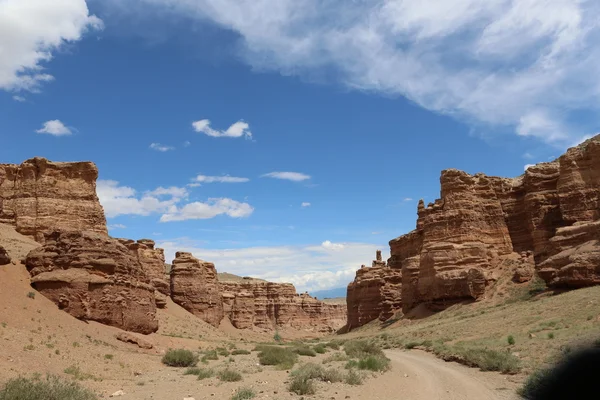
(276,143)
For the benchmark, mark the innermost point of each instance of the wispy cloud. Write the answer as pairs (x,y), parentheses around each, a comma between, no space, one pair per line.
(116,226)
(525,65)
(20,99)
(237,129)
(31,31)
(290,176)
(305,204)
(408,199)
(221,179)
(55,128)
(161,147)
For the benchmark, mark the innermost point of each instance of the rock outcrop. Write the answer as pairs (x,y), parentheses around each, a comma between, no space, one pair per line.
(269,305)
(4,257)
(375,293)
(40,196)
(194,286)
(549,217)
(94,277)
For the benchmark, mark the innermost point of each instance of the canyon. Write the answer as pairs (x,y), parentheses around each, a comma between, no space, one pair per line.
(545,221)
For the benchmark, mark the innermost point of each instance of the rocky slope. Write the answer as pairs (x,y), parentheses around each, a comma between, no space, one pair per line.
(548,217)
(39,196)
(94,277)
(268,305)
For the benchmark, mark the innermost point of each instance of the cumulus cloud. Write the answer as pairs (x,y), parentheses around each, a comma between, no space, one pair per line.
(169,202)
(31,31)
(305,204)
(55,128)
(527,65)
(310,267)
(290,176)
(160,147)
(221,179)
(237,129)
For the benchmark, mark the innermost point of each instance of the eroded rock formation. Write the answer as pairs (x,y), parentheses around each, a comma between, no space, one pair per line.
(40,196)
(549,217)
(269,305)
(194,286)
(94,277)
(375,293)
(4,257)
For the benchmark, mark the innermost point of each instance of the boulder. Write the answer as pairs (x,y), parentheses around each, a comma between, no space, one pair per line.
(4,257)
(128,337)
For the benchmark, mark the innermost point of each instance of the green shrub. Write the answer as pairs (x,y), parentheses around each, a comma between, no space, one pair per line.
(320,348)
(210,355)
(239,352)
(315,371)
(243,394)
(52,388)
(280,356)
(228,375)
(511,340)
(180,358)
(304,351)
(550,335)
(199,372)
(353,378)
(491,360)
(362,348)
(534,383)
(31,295)
(301,386)
(277,337)
(411,345)
(108,356)
(222,351)
(77,373)
(334,344)
(337,356)
(374,363)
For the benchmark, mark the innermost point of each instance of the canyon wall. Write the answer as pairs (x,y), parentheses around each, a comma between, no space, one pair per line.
(270,305)
(547,219)
(40,196)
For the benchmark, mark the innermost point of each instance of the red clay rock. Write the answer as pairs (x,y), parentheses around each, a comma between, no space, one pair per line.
(94,277)
(374,294)
(4,257)
(134,339)
(40,196)
(269,305)
(194,286)
(153,263)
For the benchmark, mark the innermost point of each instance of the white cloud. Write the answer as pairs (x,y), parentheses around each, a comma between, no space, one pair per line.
(20,99)
(221,179)
(30,31)
(305,204)
(187,143)
(310,267)
(527,166)
(237,129)
(160,147)
(290,176)
(194,185)
(210,209)
(169,202)
(527,65)
(116,226)
(332,246)
(408,199)
(55,128)
(528,156)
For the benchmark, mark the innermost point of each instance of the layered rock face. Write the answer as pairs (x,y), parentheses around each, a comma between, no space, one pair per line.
(40,196)
(375,293)
(94,277)
(194,286)
(549,217)
(269,305)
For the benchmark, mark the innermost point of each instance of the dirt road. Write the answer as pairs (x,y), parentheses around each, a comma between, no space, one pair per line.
(417,375)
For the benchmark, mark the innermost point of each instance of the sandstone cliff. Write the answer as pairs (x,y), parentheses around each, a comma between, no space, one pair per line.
(40,196)
(268,305)
(94,277)
(550,215)
(194,286)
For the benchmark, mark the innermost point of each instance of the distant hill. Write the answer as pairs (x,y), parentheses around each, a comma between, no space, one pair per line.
(329,293)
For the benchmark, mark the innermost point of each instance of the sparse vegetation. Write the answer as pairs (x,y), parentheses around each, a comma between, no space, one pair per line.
(277,337)
(228,375)
(279,356)
(550,335)
(317,372)
(210,355)
(510,339)
(535,382)
(302,386)
(78,374)
(337,356)
(334,344)
(51,388)
(222,351)
(353,378)
(238,352)
(304,350)
(374,363)
(320,348)
(201,373)
(362,348)
(244,394)
(31,295)
(180,358)
(108,356)
(484,359)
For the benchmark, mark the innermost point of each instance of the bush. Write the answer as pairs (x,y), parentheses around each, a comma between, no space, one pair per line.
(511,340)
(411,345)
(550,335)
(180,358)
(362,348)
(301,386)
(31,295)
(280,356)
(335,357)
(239,352)
(353,378)
(315,371)
(243,394)
(304,351)
(374,363)
(334,344)
(228,375)
(222,351)
(201,373)
(277,337)
(534,383)
(210,355)
(491,360)
(320,348)
(108,356)
(52,388)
